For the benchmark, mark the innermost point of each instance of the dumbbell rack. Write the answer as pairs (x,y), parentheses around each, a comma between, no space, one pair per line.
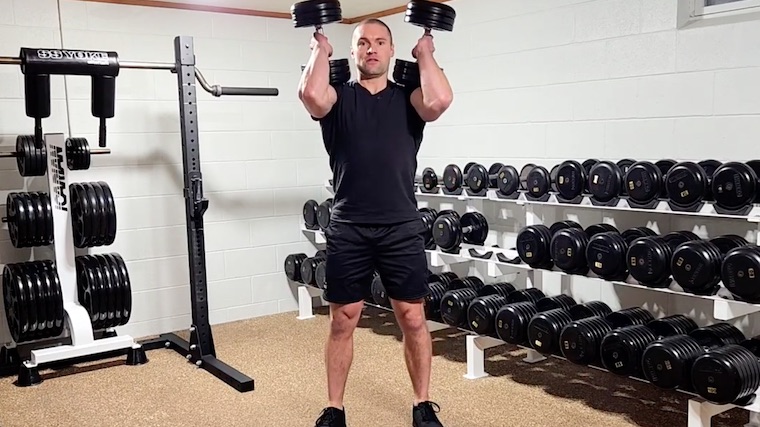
(77,324)
(700,411)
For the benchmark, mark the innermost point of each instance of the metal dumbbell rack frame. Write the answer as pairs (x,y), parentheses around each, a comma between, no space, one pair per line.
(699,411)
(199,349)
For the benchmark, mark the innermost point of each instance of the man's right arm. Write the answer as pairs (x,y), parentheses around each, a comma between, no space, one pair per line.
(314,89)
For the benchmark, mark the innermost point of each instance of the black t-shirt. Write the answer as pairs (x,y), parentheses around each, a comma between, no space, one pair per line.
(372,141)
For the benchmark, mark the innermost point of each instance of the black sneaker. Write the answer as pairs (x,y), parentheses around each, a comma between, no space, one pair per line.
(423,415)
(331,417)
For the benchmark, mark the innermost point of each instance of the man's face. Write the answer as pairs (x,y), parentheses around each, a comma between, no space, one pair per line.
(372,49)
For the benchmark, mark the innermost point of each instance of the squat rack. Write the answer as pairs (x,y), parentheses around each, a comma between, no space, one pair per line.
(103,67)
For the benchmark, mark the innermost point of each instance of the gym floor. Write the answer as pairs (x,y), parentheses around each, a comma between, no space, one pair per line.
(284,356)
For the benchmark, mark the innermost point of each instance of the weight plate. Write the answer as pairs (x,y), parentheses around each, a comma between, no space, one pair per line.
(111,223)
(310,213)
(429,179)
(47,296)
(664,165)
(315,12)
(553,176)
(447,232)
(571,179)
(492,174)
(686,184)
(324,211)
(430,14)
(32,225)
(293,266)
(643,182)
(605,181)
(14,301)
(477,178)
(508,180)
(77,153)
(478,226)
(98,213)
(734,185)
(80,213)
(110,290)
(103,214)
(538,181)
(56,293)
(624,164)
(452,177)
(524,175)
(125,288)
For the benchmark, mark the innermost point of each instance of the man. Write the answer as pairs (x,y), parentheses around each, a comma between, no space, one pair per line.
(372,130)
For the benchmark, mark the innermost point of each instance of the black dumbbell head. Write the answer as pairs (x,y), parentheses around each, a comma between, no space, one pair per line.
(314,13)
(429,14)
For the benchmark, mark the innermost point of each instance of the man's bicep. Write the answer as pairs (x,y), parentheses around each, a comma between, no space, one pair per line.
(322,107)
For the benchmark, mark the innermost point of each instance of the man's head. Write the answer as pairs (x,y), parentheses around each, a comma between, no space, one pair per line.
(372,48)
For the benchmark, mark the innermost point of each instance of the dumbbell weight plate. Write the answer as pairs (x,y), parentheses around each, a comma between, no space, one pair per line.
(624,164)
(293,264)
(340,71)
(507,180)
(324,211)
(539,181)
(553,177)
(477,178)
(429,179)
(406,73)
(605,181)
(686,184)
(524,175)
(734,185)
(452,177)
(571,179)
(665,165)
(643,182)
(492,172)
(80,215)
(430,14)
(311,13)
(77,153)
(447,231)
(479,228)
(310,213)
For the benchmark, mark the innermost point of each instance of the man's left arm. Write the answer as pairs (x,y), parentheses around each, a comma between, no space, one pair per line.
(434,96)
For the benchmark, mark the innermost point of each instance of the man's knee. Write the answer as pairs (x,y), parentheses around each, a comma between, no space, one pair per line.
(344,318)
(410,315)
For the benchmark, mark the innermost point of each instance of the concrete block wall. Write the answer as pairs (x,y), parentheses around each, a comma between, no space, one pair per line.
(261,157)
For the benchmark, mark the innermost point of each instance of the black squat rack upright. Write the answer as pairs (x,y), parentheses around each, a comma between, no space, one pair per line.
(103,67)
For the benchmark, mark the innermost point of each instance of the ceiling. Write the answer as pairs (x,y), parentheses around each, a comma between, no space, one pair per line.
(350,8)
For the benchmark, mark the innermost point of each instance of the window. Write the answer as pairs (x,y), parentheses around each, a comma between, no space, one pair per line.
(705,12)
(711,7)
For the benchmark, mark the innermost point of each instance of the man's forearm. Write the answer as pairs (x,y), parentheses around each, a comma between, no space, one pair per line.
(316,75)
(435,87)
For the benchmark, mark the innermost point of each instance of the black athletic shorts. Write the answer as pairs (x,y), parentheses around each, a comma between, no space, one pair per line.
(356,251)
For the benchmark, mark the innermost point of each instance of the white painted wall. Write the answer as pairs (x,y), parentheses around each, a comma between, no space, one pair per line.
(535,81)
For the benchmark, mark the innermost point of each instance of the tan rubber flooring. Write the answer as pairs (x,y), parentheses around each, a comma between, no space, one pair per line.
(284,356)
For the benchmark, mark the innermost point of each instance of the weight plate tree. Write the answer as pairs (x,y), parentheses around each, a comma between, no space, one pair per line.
(316,13)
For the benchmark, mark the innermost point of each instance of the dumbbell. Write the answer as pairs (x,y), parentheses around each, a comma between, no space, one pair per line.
(324,211)
(687,186)
(31,160)
(667,362)
(605,182)
(428,180)
(580,340)
(309,268)
(545,328)
(449,231)
(379,295)
(438,284)
(696,264)
(316,13)
(508,181)
(428,216)
(728,374)
(534,243)
(606,252)
(511,321)
(310,214)
(649,257)
(539,181)
(645,183)
(455,301)
(293,263)
(431,16)
(481,312)
(571,179)
(454,178)
(740,273)
(479,179)
(735,186)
